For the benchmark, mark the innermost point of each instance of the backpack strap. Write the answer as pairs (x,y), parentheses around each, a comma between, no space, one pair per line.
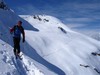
(15,27)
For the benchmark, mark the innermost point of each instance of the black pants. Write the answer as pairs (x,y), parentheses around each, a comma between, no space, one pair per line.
(16,45)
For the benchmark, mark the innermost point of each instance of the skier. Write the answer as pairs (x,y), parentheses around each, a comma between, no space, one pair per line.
(17,30)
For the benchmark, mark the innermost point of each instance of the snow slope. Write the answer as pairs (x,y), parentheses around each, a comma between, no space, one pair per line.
(51,48)
(95,33)
(65,50)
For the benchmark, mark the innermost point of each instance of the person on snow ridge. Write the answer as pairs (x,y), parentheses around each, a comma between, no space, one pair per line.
(17,30)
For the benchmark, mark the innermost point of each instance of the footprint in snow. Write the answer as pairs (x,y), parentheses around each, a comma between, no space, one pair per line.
(6,59)
(15,72)
(8,73)
(1,52)
(3,44)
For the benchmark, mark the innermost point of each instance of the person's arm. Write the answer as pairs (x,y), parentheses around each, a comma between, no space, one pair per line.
(12,30)
(23,34)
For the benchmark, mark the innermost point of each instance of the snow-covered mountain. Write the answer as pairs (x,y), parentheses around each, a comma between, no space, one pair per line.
(95,33)
(51,48)
(62,47)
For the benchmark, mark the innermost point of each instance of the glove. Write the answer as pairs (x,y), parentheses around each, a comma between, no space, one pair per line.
(23,40)
(11,31)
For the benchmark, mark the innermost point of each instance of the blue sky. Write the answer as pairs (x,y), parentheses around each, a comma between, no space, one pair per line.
(81,14)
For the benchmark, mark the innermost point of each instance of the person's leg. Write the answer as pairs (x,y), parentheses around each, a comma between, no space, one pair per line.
(15,45)
(18,45)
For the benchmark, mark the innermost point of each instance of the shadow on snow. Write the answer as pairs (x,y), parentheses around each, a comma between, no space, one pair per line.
(31,52)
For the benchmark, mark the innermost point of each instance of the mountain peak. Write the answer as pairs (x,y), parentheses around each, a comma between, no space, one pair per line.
(3,5)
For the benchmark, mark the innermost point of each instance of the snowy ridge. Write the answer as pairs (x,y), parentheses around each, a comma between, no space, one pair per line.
(30,67)
(6,48)
(26,67)
(13,66)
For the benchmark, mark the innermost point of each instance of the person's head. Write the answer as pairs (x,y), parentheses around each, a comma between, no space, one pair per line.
(19,23)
